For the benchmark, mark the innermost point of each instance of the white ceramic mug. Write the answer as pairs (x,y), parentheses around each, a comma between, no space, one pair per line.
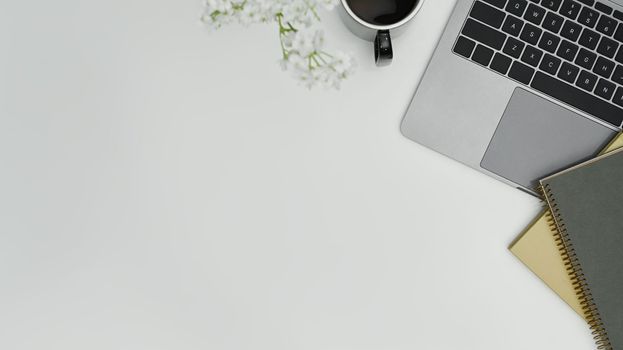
(377,32)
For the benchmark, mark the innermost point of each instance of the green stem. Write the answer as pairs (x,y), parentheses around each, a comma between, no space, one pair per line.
(313,57)
(325,53)
(321,58)
(284,52)
(313,10)
(282,32)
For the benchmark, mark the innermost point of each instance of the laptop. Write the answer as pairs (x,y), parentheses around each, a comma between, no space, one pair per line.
(520,89)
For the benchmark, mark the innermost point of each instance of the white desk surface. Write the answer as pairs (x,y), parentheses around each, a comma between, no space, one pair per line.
(164,187)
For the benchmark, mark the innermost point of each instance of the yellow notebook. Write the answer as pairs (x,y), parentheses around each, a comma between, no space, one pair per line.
(537,249)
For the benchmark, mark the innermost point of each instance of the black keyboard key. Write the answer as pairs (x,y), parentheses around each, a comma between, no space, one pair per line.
(604,67)
(521,72)
(516,7)
(531,34)
(464,47)
(619,33)
(571,30)
(482,55)
(578,98)
(606,25)
(497,3)
(619,57)
(512,25)
(535,14)
(552,22)
(570,9)
(513,47)
(587,2)
(483,34)
(532,56)
(586,80)
(501,63)
(585,59)
(605,89)
(589,39)
(551,4)
(603,8)
(588,17)
(549,42)
(617,77)
(487,14)
(607,47)
(567,50)
(618,97)
(618,15)
(568,72)
(550,64)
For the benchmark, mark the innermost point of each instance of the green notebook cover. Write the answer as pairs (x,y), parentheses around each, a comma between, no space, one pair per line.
(586,204)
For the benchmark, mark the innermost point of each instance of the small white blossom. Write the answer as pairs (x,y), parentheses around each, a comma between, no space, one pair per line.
(302,47)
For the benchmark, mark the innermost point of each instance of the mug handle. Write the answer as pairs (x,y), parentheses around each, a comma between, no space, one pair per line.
(383,52)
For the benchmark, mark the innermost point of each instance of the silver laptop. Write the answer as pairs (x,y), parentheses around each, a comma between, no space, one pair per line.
(520,89)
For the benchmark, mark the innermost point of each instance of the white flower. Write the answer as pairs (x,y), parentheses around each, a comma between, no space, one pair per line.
(219,5)
(343,64)
(303,47)
(287,40)
(318,40)
(303,43)
(329,4)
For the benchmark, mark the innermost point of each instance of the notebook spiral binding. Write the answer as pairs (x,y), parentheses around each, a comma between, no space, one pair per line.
(565,246)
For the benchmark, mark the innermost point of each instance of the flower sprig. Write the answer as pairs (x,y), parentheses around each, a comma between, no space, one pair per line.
(301,45)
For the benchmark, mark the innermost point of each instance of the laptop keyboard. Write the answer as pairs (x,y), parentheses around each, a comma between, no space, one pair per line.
(569,50)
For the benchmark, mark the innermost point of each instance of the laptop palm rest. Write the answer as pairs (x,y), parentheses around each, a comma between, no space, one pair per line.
(536,138)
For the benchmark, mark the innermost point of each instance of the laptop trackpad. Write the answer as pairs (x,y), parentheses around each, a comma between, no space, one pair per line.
(536,138)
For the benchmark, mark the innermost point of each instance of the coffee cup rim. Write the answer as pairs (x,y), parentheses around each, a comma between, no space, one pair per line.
(378,27)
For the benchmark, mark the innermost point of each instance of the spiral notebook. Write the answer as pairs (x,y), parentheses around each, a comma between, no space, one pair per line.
(586,214)
(536,248)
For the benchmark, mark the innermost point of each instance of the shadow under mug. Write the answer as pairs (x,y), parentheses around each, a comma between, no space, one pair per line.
(379,34)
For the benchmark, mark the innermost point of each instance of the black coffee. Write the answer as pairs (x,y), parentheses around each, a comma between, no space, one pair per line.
(382,12)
